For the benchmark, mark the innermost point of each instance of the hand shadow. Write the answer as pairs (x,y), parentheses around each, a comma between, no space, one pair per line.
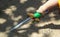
(33,28)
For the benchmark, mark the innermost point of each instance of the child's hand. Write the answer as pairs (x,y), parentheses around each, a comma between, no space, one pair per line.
(47,5)
(43,8)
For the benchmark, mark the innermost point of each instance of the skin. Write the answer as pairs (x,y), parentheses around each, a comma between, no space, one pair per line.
(47,5)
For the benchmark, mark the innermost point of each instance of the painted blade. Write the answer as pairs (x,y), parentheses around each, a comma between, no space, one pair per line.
(17,26)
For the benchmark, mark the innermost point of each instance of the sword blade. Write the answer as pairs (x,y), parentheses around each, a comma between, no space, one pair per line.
(17,26)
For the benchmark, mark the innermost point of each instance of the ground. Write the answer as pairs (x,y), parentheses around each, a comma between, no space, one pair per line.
(13,12)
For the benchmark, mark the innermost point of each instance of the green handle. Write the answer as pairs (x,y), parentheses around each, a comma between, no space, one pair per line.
(37,15)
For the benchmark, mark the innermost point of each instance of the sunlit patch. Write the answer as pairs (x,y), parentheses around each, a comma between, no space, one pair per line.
(41,24)
(9,10)
(30,9)
(25,25)
(3,34)
(23,1)
(34,34)
(2,20)
(13,8)
(51,15)
(43,1)
(55,33)
(21,31)
(8,29)
(45,31)
(57,22)
(16,18)
(15,23)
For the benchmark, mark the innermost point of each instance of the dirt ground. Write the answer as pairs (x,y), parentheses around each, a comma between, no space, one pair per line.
(13,12)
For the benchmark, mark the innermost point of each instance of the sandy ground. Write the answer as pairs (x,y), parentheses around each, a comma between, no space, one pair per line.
(14,11)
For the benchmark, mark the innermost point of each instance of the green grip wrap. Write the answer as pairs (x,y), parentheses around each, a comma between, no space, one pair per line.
(37,15)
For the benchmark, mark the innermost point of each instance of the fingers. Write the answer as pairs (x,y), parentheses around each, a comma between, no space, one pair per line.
(47,5)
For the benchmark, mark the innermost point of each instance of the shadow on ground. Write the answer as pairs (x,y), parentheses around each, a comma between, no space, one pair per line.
(32,29)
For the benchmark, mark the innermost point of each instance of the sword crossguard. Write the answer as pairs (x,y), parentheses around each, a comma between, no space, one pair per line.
(35,15)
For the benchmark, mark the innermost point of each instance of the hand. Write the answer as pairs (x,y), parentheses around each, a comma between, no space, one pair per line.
(47,5)
(44,7)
